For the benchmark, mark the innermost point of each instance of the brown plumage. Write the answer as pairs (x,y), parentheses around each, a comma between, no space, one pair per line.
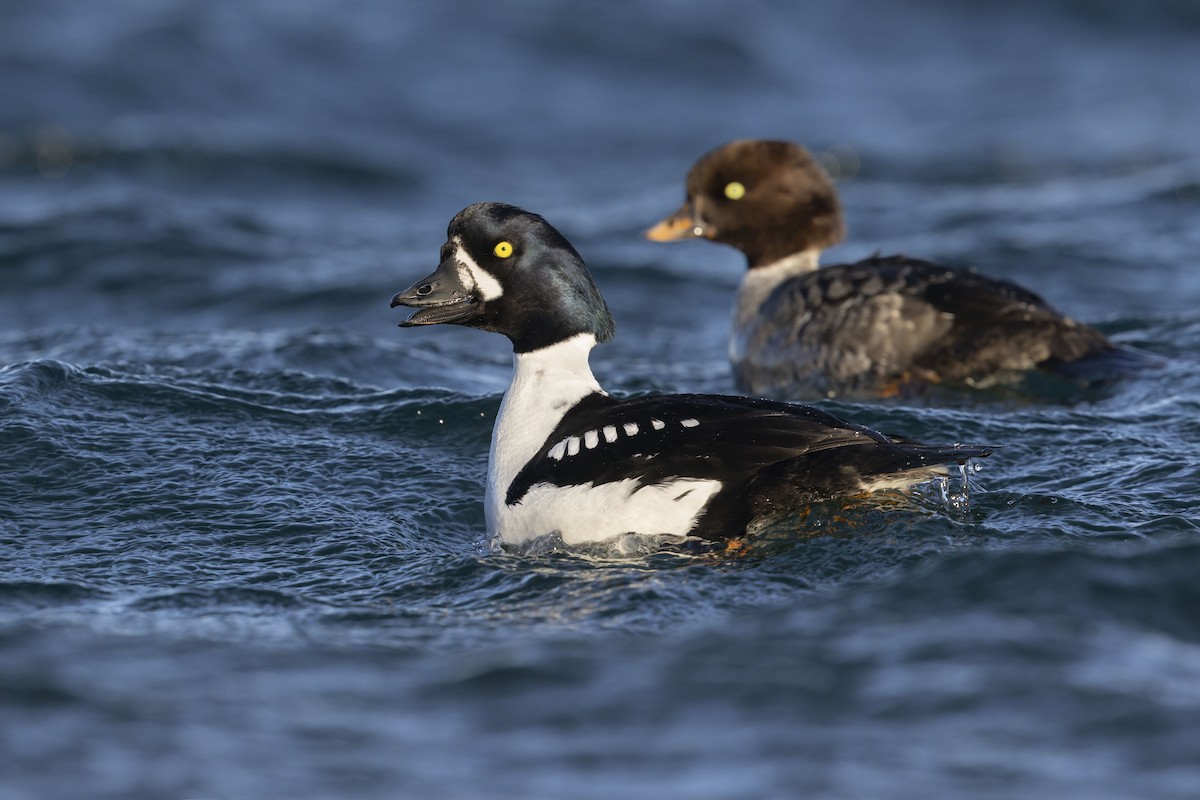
(876,328)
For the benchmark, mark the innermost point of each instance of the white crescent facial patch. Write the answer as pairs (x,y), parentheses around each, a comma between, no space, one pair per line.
(474,276)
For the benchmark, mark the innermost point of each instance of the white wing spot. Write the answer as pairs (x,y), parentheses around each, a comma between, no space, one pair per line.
(631,428)
(572,445)
(558,450)
(689,422)
(591,439)
(658,424)
(610,433)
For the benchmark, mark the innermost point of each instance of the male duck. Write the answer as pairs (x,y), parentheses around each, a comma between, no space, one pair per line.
(568,459)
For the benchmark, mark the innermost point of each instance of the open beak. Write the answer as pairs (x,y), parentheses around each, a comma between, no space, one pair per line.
(683,224)
(439,298)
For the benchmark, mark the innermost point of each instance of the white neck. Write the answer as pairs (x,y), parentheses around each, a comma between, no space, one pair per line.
(759,282)
(546,384)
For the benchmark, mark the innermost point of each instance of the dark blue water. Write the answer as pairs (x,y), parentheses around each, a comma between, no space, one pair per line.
(241,536)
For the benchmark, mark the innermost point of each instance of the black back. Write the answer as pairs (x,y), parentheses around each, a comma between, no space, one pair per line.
(910,320)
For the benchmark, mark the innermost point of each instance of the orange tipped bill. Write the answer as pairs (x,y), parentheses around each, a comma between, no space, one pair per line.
(679,225)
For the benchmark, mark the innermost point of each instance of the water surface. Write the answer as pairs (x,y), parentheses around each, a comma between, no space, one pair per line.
(241,538)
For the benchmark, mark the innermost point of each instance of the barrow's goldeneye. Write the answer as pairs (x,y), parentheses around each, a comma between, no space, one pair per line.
(568,459)
(881,327)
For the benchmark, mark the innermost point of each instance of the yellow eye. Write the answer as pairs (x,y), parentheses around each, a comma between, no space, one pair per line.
(503,249)
(735,191)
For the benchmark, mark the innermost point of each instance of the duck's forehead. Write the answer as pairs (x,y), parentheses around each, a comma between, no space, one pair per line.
(480,230)
(474,243)
(719,169)
(461,235)
(461,247)
(702,176)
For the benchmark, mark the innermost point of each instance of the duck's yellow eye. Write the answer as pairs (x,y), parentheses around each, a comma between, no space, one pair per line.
(503,249)
(735,191)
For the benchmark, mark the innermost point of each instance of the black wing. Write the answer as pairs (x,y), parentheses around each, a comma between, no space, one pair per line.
(658,438)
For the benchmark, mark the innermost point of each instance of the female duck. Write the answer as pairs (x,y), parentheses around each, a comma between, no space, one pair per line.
(881,327)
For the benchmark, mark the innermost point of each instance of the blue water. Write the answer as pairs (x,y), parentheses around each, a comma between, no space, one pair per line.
(241,539)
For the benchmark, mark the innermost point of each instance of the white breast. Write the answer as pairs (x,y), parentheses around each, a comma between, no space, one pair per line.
(756,286)
(545,385)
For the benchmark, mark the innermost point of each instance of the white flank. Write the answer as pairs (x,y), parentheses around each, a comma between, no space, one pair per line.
(545,385)
(474,276)
(589,513)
